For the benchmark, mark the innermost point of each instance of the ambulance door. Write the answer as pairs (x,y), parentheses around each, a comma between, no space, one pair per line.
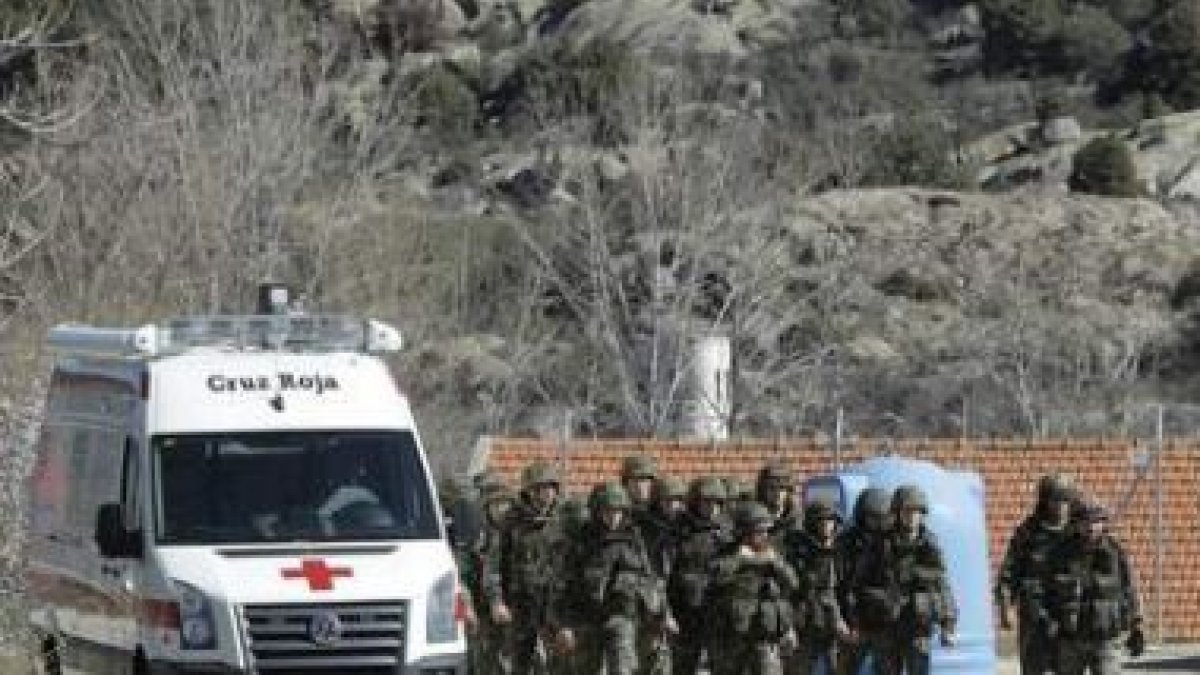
(119,492)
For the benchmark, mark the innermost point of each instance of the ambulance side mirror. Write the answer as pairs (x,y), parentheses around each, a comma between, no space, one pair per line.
(112,537)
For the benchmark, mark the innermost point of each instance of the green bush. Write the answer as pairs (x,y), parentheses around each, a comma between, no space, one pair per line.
(1105,167)
(1091,42)
(1172,64)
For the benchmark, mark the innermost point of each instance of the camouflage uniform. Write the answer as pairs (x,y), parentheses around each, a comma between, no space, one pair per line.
(525,569)
(704,535)
(489,642)
(872,520)
(1025,570)
(775,489)
(818,559)
(652,647)
(906,582)
(740,494)
(1093,600)
(611,593)
(753,589)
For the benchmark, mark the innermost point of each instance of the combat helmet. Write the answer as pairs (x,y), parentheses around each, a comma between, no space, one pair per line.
(753,517)
(910,497)
(873,506)
(818,510)
(639,466)
(709,487)
(774,474)
(1056,486)
(610,495)
(670,487)
(540,473)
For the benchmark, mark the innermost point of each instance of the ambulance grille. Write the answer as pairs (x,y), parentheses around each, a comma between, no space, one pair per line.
(297,639)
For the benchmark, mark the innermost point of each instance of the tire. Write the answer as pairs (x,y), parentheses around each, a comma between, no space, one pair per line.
(50,659)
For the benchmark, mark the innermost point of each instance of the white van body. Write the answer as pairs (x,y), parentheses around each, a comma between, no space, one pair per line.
(274,509)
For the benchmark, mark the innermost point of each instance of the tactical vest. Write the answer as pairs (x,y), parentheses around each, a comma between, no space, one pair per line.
(757,598)
(820,569)
(691,577)
(534,549)
(617,578)
(909,587)
(1090,594)
(1033,563)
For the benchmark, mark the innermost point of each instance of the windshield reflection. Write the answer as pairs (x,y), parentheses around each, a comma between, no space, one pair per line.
(294,486)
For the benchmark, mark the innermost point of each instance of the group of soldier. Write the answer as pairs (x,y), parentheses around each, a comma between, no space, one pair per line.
(652,575)
(1072,586)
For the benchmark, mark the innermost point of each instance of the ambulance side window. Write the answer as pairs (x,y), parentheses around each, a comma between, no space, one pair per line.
(131,471)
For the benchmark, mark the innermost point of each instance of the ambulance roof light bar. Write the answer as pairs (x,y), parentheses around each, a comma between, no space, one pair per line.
(300,333)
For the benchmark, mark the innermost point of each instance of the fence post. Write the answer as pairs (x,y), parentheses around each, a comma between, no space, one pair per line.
(837,441)
(1159,527)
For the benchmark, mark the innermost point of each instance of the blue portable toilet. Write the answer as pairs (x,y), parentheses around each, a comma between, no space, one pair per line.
(957,518)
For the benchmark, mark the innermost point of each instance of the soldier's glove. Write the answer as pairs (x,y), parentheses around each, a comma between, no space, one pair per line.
(949,639)
(790,641)
(564,641)
(670,626)
(1135,644)
(501,614)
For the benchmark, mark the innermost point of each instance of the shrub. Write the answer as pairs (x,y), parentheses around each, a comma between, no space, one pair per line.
(1105,167)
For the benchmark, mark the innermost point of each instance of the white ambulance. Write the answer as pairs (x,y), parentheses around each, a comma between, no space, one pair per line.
(237,495)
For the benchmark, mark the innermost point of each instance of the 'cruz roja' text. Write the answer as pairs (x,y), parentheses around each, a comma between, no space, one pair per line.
(282,382)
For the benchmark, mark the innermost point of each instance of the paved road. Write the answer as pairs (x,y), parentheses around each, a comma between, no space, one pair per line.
(1170,660)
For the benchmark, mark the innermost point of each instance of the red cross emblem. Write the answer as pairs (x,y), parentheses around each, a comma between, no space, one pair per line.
(319,575)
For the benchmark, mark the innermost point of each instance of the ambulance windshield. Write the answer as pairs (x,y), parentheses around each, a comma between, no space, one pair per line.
(292,486)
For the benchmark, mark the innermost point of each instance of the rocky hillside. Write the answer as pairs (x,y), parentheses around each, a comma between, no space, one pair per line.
(555,198)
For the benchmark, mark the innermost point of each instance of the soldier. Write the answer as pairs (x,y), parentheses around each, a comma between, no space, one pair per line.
(489,641)
(611,593)
(664,526)
(906,581)
(872,520)
(1025,570)
(740,493)
(704,535)
(1093,600)
(638,475)
(753,589)
(525,568)
(776,490)
(818,559)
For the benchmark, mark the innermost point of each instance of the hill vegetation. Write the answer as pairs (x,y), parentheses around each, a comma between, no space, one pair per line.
(555,197)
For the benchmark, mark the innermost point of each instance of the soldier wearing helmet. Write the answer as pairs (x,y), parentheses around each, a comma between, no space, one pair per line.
(1093,600)
(705,533)
(638,475)
(525,568)
(871,521)
(1024,570)
(489,653)
(753,590)
(611,593)
(907,583)
(664,526)
(640,478)
(775,489)
(819,564)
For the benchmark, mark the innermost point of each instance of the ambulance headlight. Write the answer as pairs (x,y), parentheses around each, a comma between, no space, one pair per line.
(441,624)
(197,630)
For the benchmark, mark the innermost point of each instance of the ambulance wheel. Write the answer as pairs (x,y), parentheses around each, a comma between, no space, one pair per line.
(51,659)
